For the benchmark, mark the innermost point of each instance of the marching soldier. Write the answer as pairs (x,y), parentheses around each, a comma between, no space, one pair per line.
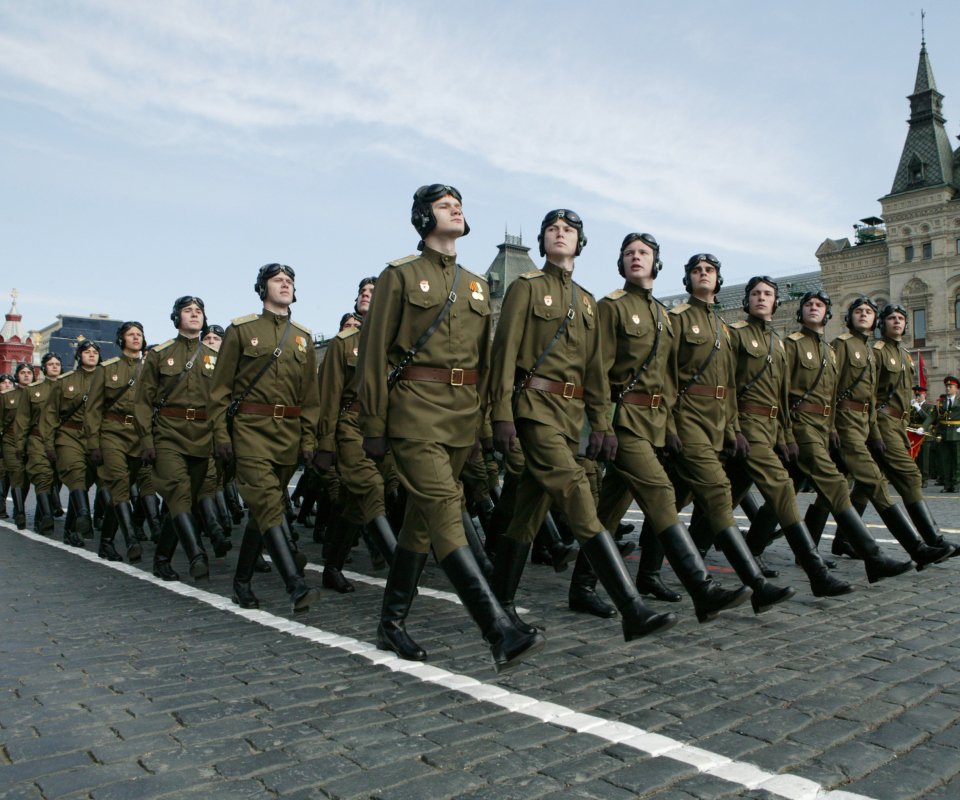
(264,408)
(26,428)
(213,337)
(6,382)
(895,377)
(547,352)
(429,329)
(637,338)
(948,434)
(170,412)
(813,393)
(12,399)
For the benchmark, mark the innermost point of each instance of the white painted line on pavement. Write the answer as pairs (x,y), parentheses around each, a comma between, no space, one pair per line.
(788,786)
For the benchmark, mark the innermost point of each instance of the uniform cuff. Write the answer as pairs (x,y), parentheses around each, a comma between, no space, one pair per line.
(146,443)
(502,411)
(327,444)
(373,427)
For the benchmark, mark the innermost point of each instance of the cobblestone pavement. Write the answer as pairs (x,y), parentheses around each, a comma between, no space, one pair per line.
(115,685)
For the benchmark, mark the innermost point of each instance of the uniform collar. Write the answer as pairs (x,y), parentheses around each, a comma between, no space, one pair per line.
(133,360)
(859,334)
(756,322)
(438,258)
(810,333)
(894,342)
(188,342)
(276,319)
(558,272)
(696,302)
(632,288)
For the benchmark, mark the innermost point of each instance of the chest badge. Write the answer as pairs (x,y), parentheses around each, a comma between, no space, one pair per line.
(254,341)
(113,377)
(856,354)
(695,328)
(587,306)
(169,362)
(893,361)
(209,362)
(302,344)
(809,355)
(424,286)
(755,343)
(476,290)
(356,350)
(547,300)
(38,394)
(69,389)
(636,319)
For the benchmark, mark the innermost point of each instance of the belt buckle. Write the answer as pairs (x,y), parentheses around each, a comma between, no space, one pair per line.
(826,411)
(773,412)
(866,409)
(655,400)
(191,413)
(905,416)
(280,409)
(569,387)
(128,420)
(453,377)
(721,393)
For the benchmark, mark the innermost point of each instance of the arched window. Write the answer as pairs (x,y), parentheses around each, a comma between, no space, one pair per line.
(956,311)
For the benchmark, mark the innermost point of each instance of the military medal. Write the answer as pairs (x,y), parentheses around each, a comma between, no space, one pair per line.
(695,329)
(69,389)
(302,344)
(636,319)
(856,354)
(38,394)
(809,354)
(755,343)
(424,286)
(477,291)
(588,307)
(356,350)
(254,341)
(170,362)
(547,300)
(893,361)
(113,377)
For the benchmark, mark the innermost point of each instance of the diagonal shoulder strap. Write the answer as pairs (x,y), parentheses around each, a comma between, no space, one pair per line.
(518,386)
(232,410)
(122,392)
(750,384)
(187,367)
(643,368)
(713,352)
(806,394)
(893,391)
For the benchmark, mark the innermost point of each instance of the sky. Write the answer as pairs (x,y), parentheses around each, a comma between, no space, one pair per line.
(152,150)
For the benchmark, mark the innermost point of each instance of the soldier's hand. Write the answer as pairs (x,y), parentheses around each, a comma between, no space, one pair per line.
(375,447)
(788,452)
(673,445)
(877,447)
(920,430)
(18,455)
(608,450)
(52,456)
(487,446)
(149,457)
(504,436)
(741,447)
(323,459)
(834,440)
(594,443)
(307,457)
(96,457)
(224,452)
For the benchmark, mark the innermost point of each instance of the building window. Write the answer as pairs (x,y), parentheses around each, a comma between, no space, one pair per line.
(908,252)
(919,327)
(928,250)
(956,312)
(958,247)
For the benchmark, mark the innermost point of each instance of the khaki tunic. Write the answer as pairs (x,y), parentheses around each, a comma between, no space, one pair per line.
(10,401)
(66,404)
(26,433)
(895,375)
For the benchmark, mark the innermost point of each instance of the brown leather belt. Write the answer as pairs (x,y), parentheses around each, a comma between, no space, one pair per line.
(183,413)
(452,377)
(74,426)
(567,390)
(35,432)
(277,412)
(759,410)
(903,417)
(113,417)
(637,399)
(860,408)
(812,408)
(348,405)
(718,392)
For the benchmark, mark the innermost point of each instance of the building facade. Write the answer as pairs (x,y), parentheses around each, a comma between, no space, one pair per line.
(61,337)
(16,345)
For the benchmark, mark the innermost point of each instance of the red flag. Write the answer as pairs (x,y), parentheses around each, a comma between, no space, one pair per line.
(922,376)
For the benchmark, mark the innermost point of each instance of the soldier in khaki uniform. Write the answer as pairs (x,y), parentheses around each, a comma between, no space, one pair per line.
(948,434)
(636,337)
(6,383)
(813,393)
(429,330)
(266,380)
(894,379)
(26,434)
(547,352)
(170,413)
(11,401)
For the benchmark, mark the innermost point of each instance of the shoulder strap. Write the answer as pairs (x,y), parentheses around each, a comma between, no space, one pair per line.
(394,375)
(518,387)
(122,392)
(816,381)
(232,410)
(763,369)
(896,386)
(703,368)
(849,390)
(643,367)
(187,367)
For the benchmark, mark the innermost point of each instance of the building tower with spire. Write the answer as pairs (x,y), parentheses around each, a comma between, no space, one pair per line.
(15,345)
(512,260)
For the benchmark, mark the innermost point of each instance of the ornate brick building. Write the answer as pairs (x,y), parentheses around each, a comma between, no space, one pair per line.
(16,346)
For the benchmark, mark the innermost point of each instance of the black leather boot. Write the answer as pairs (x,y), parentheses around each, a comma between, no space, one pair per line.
(70,535)
(649,581)
(251,545)
(878,565)
(276,543)
(511,558)
(473,539)
(43,517)
(397,598)
(324,507)
(637,620)
(188,534)
(4,488)
(55,499)
(292,538)
(709,598)
(763,527)
(222,514)
(151,509)
(508,645)
(623,528)
(81,506)
(234,506)
(108,529)
(816,520)
(486,513)
(822,583)
(560,554)
(333,578)
(99,511)
(927,527)
(381,534)
(396,501)
(124,516)
(583,597)
(331,537)
(498,526)
(377,561)
(898,523)
(166,545)
(19,511)
(735,550)
(210,516)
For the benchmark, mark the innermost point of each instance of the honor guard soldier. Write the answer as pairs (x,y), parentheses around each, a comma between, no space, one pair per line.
(894,381)
(923,418)
(948,434)
(547,374)
(264,409)
(13,466)
(111,438)
(636,337)
(6,383)
(422,378)
(61,431)
(170,413)
(813,394)
(26,428)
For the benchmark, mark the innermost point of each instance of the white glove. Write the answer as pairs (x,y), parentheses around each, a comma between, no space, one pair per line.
(920,430)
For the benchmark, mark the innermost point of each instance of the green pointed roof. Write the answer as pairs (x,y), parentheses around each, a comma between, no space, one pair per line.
(510,263)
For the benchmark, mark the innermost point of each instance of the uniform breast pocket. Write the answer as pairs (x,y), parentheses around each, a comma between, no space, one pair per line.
(424,299)
(544,311)
(638,331)
(481,307)
(808,359)
(589,320)
(169,370)
(695,339)
(892,368)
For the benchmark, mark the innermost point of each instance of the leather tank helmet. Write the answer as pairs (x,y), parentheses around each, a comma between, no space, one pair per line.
(215,329)
(48,357)
(86,344)
(267,271)
(712,260)
(127,326)
(181,303)
(571,217)
(888,309)
(753,283)
(421,215)
(819,294)
(23,365)
(649,240)
(860,301)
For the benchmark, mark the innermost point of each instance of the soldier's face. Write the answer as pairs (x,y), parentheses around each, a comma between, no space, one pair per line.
(280,289)
(895,324)
(25,377)
(920,397)
(212,340)
(191,319)
(364,298)
(5,384)
(53,368)
(638,260)
(133,339)
(704,277)
(449,215)
(352,322)
(761,301)
(560,239)
(864,318)
(814,311)
(90,357)
(951,390)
